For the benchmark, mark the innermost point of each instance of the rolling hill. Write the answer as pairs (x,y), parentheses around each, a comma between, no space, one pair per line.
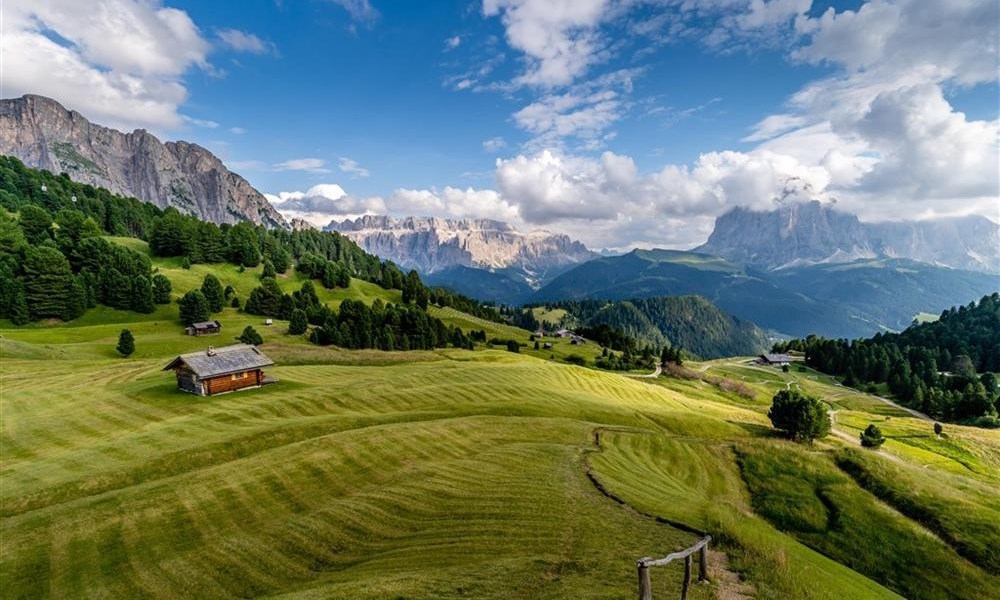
(447,473)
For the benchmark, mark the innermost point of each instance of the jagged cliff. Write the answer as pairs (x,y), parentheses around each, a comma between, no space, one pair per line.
(811,233)
(431,245)
(43,134)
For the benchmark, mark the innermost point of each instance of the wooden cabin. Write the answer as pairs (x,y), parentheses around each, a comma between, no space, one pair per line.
(204,328)
(220,370)
(775,360)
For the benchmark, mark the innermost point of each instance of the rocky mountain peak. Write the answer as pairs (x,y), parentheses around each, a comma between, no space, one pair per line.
(43,134)
(431,244)
(810,233)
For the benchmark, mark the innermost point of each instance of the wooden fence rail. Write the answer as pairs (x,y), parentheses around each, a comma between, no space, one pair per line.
(701,547)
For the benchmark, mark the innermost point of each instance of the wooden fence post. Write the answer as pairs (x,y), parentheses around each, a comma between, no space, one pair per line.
(703,564)
(687,577)
(645,589)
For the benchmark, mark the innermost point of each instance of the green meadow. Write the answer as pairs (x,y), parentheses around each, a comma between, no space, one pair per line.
(458,474)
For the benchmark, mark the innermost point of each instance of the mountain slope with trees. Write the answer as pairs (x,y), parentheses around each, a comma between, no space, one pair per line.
(946,368)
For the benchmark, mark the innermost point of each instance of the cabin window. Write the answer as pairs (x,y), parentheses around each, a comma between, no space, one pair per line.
(239,376)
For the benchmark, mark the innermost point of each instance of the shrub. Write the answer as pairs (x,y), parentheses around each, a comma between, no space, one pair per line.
(513,346)
(126,343)
(872,437)
(250,336)
(938,429)
(185,263)
(576,359)
(800,417)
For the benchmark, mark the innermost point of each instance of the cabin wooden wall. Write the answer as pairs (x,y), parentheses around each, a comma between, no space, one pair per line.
(227,383)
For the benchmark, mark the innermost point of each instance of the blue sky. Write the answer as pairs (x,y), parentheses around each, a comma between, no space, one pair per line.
(621,122)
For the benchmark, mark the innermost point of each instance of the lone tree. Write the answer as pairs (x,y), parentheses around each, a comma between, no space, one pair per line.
(938,429)
(250,336)
(800,417)
(872,437)
(298,324)
(126,343)
(214,294)
(194,307)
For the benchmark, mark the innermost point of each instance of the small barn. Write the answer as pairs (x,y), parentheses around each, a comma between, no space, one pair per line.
(204,328)
(220,370)
(775,360)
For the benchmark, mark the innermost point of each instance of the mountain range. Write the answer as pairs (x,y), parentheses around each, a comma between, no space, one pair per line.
(854,299)
(803,233)
(446,250)
(45,135)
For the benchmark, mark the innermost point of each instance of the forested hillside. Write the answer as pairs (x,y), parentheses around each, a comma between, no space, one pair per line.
(55,261)
(946,368)
(688,322)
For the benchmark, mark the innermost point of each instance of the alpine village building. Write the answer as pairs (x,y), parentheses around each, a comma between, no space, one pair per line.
(220,370)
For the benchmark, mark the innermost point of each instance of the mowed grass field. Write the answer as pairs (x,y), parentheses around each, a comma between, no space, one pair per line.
(455,474)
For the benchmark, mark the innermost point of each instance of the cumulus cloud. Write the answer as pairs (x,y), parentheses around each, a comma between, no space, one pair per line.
(351,167)
(119,62)
(309,165)
(360,10)
(242,41)
(453,42)
(560,38)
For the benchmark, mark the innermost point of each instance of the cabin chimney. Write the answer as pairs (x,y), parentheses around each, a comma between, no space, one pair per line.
(210,351)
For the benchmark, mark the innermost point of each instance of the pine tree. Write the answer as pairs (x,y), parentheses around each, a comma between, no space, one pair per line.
(161,289)
(142,295)
(19,314)
(250,336)
(193,307)
(268,269)
(48,282)
(214,294)
(872,437)
(126,343)
(298,324)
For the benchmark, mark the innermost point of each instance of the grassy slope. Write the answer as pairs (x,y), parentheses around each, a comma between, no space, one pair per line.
(412,475)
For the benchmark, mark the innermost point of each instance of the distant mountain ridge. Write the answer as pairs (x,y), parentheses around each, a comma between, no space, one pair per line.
(813,233)
(855,299)
(431,245)
(45,135)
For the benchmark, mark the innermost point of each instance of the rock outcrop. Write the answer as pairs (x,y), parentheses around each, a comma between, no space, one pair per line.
(43,134)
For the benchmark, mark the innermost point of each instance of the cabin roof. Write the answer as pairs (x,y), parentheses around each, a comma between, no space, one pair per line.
(776,357)
(206,324)
(223,361)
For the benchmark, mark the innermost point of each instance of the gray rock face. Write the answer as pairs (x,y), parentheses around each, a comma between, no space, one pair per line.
(430,244)
(45,135)
(813,233)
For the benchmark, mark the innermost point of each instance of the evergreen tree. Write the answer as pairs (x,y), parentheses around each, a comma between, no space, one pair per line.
(268,269)
(872,437)
(36,223)
(265,299)
(161,289)
(142,295)
(250,336)
(798,416)
(298,324)
(126,343)
(193,307)
(244,247)
(18,312)
(48,282)
(214,294)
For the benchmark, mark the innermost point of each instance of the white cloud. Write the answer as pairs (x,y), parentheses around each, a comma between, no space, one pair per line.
(119,62)
(494,144)
(453,42)
(206,123)
(351,166)
(360,10)
(242,41)
(310,165)
(237,130)
(559,38)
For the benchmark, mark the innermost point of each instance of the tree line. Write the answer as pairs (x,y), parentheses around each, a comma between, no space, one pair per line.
(946,368)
